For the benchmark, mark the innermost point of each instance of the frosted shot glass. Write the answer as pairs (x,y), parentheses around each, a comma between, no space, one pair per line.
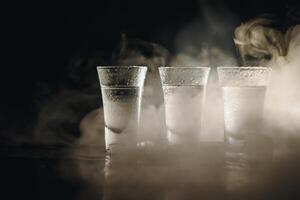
(244,90)
(184,91)
(121,88)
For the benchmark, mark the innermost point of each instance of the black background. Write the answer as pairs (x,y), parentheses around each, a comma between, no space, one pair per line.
(40,37)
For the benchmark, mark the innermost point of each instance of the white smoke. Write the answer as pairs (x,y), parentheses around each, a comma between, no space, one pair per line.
(258,40)
(283,104)
(259,43)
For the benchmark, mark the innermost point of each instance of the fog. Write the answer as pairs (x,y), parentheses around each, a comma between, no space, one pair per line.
(73,119)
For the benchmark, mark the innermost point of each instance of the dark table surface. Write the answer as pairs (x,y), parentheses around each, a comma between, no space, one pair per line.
(205,172)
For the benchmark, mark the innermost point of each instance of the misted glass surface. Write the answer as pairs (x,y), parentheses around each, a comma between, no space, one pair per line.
(121,89)
(244,90)
(247,150)
(184,94)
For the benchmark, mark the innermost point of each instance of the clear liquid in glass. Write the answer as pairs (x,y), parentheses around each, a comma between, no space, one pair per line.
(243,111)
(183,108)
(121,114)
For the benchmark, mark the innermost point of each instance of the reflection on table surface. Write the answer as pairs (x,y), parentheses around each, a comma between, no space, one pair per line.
(209,171)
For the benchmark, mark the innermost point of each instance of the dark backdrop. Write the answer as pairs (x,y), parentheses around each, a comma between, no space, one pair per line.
(39,38)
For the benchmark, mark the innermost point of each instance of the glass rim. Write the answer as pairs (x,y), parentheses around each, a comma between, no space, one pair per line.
(185,67)
(244,67)
(123,67)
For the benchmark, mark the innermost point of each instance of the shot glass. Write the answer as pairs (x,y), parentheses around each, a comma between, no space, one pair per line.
(121,88)
(184,91)
(244,90)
